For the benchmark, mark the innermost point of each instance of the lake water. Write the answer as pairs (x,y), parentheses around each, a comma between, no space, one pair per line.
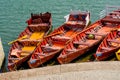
(14,13)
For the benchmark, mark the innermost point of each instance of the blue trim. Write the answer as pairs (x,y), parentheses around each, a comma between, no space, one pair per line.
(98,54)
(32,61)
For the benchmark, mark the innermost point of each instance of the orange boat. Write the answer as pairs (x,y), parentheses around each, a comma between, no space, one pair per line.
(108,46)
(39,25)
(88,38)
(53,44)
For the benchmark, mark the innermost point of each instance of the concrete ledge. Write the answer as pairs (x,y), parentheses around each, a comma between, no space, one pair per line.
(107,70)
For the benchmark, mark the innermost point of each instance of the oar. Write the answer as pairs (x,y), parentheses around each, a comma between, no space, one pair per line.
(23,37)
(54,34)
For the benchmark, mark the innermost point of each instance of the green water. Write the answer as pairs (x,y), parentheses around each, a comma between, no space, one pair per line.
(14,13)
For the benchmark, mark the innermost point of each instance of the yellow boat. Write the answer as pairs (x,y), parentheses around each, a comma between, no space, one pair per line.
(39,25)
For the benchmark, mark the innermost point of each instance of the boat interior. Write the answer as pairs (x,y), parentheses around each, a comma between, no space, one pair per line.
(90,37)
(111,42)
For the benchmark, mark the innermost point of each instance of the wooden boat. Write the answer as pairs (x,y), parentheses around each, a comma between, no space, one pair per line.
(113,17)
(108,46)
(87,39)
(117,53)
(39,25)
(53,44)
(2,55)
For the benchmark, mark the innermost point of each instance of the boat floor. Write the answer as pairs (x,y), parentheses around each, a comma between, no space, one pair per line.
(71,33)
(27,50)
(54,48)
(37,35)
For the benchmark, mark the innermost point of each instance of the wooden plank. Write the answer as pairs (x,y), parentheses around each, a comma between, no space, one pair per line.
(71,50)
(106,48)
(113,40)
(98,34)
(14,58)
(111,20)
(81,43)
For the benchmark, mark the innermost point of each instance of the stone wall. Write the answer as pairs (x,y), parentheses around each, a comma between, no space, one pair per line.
(107,70)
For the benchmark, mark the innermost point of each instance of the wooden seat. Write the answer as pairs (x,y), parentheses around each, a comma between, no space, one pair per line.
(24,54)
(111,20)
(71,50)
(37,25)
(14,58)
(40,54)
(16,53)
(98,34)
(61,37)
(81,43)
(105,48)
(115,41)
(49,47)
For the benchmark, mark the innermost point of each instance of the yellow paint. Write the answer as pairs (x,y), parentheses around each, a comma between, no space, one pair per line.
(118,54)
(28,48)
(37,35)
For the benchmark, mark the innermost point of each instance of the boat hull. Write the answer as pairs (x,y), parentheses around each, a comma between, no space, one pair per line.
(43,60)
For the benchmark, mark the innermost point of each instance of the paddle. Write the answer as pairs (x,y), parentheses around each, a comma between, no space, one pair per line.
(54,34)
(23,37)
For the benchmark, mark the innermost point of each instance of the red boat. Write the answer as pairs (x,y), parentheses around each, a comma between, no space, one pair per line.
(53,44)
(88,39)
(108,46)
(39,25)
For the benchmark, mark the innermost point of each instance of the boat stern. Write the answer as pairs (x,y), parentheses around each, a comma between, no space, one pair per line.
(118,54)
(34,63)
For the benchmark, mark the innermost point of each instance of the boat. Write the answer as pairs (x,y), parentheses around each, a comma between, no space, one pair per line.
(117,53)
(54,43)
(105,49)
(88,39)
(108,46)
(39,25)
(2,55)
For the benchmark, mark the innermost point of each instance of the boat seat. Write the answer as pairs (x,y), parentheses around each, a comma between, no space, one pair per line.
(71,50)
(115,41)
(37,25)
(111,20)
(49,47)
(105,48)
(97,34)
(40,54)
(15,53)
(14,58)
(81,43)
(23,54)
(61,37)
(81,23)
